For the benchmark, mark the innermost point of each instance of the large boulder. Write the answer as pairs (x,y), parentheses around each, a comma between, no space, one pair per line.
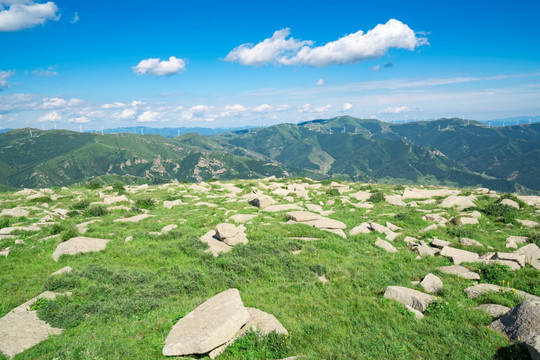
(460,271)
(14,212)
(262,201)
(459,256)
(409,297)
(77,245)
(462,202)
(431,283)
(210,325)
(521,323)
(385,245)
(494,310)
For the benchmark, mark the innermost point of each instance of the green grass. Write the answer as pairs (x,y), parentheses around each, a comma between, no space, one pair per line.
(124,300)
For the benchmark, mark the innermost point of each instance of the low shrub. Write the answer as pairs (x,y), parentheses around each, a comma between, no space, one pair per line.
(255,345)
(96,210)
(80,205)
(119,187)
(93,185)
(146,203)
(500,212)
(377,197)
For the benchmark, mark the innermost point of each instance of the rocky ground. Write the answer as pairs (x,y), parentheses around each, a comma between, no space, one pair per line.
(269,269)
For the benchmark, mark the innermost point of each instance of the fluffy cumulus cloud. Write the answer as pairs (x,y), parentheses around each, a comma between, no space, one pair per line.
(4,76)
(320,82)
(59,103)
(126,114)
(395,110)
(157,67)
(267,51)
(352,48)
(346,107)
(80,120)
(149,116)
(23,14)
(51,116)
(308,108)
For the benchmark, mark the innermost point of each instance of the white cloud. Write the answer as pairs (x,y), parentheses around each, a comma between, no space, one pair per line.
(57,103)
(45,72)
(307,108)
(114,105)
(320,82)
(376,67)
(232,110)
(75,18)
(179,108)
(80,120)
(126,114)
(26,14)
(51,116)
(349,49)
(267,51)
(4,76)
(148,116)
(395,110)
(154,66)
(346,106)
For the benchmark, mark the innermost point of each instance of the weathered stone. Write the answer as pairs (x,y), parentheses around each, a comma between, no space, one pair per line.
(20,329)
(467,221)
(460,271)
(363,228)
(520,259)
(78,245)
(361,195)
(83,227)
(534,347)
(170,204)
(510,203)
(262,201)
(530,251)
(64,270)
(431,283)
(385,245)
(395,200)
(224,231)
(518,239)
(458,256)
(14,212)
(426,250)
(413,193)
(114,199)
(521,323)
(528,223)
(392,227)
(11,229)
(494,310)
(531,200)
(417,314)
(302,216)
(133,219)
(216,246)
(440,243)
(460,201)
(413,298)
(325,223)
(242,218)
(481,289)
(282,207)
(429,228)
(211,324)
(469,242)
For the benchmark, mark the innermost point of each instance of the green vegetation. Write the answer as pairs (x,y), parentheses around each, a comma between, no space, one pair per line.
(125,299)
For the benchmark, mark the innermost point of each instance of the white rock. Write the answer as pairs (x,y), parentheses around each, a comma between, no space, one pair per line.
(413,298)
(431,283)
(385,245)
(78,245)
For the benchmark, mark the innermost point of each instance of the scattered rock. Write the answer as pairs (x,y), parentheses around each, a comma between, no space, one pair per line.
(385,245)
(534,347)
(462,202)
(242,218)
(510,203)
(481,289)
(467,221)
(518,239)
(494,310)
(395,200)
(363,228)
(469,242)
(323,278)
(440,243)
(114,199)
(230,234)
(530,251)
(521,323)
(83,227)
(413,298)
(133,219)
(413,193)
(528,223)
(262,201)
(460,271)
(282,207)
(20,329)
(210,325)
(79,245)
(128,238)
(458,256)
(170,204)
(216,246)
(14,212)
(431,283)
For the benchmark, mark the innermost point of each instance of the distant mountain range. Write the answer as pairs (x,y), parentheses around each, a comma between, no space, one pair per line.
(170,132)
(447,151)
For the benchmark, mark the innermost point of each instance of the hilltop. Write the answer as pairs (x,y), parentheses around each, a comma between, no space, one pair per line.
(326,269)
(452,152)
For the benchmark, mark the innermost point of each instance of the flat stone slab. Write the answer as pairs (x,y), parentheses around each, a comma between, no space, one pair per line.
(78,245)
(11,229)
(20,329)
(210,325)
(242,218)
(528,223)
(114,199)
(14,212)
(170,204)
(64,270)
(282,207)
(302,216)
(521,323)
(83,227)
(216,246)
(363,228)
(409,297)
(458,256)
(431,283)
(414,193)
(530,251)
(385,245)
(459,201)
(133,219)
(460,271)
(494,310)
(262,201)
(481,289)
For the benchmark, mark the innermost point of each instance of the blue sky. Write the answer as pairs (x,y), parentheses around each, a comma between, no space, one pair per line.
(80,64)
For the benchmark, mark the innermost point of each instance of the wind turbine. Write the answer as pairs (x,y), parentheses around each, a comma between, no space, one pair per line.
(31,133)
(55,125)
(80,128)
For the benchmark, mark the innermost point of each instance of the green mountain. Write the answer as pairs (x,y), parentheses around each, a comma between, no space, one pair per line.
(448,151)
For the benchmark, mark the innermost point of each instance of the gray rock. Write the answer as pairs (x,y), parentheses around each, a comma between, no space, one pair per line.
(385,245)
(216,246)
(461,202)
(64,270)
(78,245)
(210,325)
(481,289)
(302,216)
(534,347)
(510,203)
(431,283)
(460,271)
(242,218)
(521,323)
(170,204)
(517,239)
(528,223)
(282,207)
(133,219)
(363,228)
(469,242)
(467,221)
(262,201)
(494,310)
(458,256)
(517,258)
(20,329)
(426,250)
(530,251)
(14,212)
(114,199)
(440,243)
(413,298)
(224,231)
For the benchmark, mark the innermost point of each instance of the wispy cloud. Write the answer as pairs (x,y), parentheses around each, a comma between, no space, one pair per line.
(4,76)
(320,82)
(75,18)
(395,110)
(352,48)
(26,14)
(45,72)
(157,67)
